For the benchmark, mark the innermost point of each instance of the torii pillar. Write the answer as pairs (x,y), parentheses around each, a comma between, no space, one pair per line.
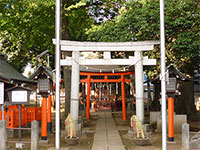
(75,77)
(139,89)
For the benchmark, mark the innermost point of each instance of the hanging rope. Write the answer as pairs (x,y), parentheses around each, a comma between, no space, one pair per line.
(124,68)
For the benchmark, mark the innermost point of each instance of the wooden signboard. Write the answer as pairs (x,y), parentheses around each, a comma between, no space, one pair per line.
(19,95)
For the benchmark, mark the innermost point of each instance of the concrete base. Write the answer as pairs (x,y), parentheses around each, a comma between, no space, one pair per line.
(132,133)
(72,141)
(142,142)
(62,148)
(171,142)
(178,121)
(44,142)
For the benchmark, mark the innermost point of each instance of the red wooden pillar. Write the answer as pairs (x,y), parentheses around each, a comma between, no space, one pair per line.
(49,122)
(44,119)
(123,97)
(88,98)
(170,119)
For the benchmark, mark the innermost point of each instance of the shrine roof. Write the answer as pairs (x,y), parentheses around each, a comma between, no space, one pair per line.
(9,75)
(42,69)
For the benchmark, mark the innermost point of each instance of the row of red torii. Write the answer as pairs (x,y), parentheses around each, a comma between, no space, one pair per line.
(106,47)
(121,80)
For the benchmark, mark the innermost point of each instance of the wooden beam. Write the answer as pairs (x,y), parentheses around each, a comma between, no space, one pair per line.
(106,73)
(104,80)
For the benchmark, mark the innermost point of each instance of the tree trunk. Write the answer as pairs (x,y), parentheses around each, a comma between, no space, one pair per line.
(64,22)
(149,98)
(67,83)
(149,92)
(184,104)
(155,105)
(66,70)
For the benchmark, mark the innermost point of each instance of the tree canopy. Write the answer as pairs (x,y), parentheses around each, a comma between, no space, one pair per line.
(139,20)
(26,30)
(27,27)
(83,14)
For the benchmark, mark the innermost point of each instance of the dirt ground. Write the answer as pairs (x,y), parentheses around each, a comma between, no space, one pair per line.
(124,128)
(155,137)
(85,139)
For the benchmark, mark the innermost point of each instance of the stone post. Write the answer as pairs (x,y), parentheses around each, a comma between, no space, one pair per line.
(74,109)
(139,89)
(185,136)
(34,135)
(3,135)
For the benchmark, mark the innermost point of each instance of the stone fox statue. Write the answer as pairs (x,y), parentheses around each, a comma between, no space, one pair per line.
(70,126)
(137,125)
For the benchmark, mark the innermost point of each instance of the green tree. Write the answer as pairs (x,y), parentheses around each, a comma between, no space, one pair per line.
(27,27)
(26,30)
(75,20)
(139,20)
(80,15)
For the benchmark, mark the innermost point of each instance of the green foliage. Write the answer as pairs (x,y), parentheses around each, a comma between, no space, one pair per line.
(26,29)
(183,34)
(139,20)
(78,21)
(82,14)
(134,22)
(77,5)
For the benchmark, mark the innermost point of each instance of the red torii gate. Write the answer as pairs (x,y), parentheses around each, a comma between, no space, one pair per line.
(89,80)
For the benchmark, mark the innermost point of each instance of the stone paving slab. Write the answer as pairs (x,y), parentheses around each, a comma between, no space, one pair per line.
(106,135)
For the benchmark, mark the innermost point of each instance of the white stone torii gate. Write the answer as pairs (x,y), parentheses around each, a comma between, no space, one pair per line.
(107,47)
